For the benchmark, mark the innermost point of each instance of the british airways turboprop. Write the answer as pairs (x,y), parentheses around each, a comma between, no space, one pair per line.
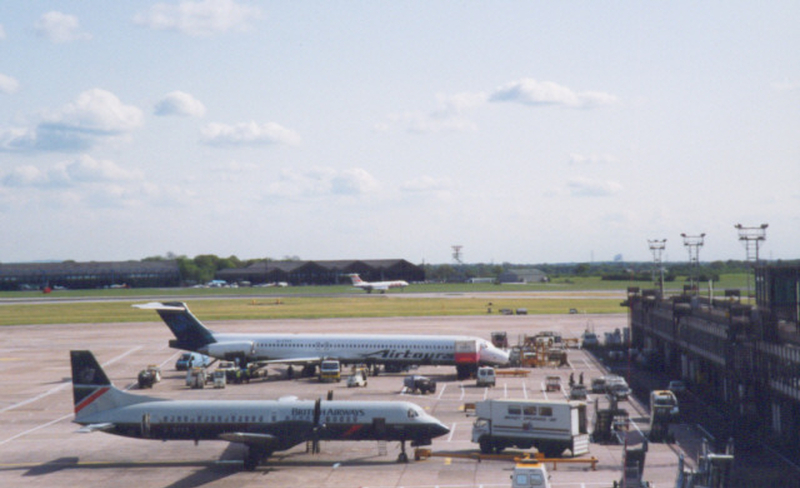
(391,351)
(264,426)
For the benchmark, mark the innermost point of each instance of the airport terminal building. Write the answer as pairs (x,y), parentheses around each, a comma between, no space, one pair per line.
(743,361)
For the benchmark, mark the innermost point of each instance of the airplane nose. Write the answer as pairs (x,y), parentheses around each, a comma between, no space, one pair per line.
(439,429)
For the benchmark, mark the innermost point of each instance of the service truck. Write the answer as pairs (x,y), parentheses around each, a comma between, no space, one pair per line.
(330,370)
(551,426)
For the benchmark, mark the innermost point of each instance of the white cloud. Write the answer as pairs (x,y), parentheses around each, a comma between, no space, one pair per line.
(248,133)
(585,187)
(532,92)
(180,103)
(318,182)
(96,114)
(8,84)
(202,18)
(82,170)
(576,158)
(354,181)
(447,117)
(424,184)
(2,32)
(59,27)
(785,85)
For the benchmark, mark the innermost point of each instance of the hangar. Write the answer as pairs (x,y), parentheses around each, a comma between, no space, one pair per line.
(323,272)
(75,275)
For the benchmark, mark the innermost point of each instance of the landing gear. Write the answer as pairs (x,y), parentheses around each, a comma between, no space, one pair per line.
(254,457)
(403,457)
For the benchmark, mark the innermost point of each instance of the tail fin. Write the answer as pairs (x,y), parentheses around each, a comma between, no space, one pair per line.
(89,384)
(191,334)
(355,278)
(92,391)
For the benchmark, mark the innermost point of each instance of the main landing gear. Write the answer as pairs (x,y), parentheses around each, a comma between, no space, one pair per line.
(254,457)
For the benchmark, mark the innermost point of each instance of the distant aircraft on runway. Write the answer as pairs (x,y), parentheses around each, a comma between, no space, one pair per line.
(393,351)
(264,426)
(381,286)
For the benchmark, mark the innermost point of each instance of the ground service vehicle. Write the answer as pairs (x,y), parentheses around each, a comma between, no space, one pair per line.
(419,383)
(358,378)
(330,370)
(190,359)
(578,392)
(220,378)
(196,377)
(530,475)
(551,426)
(486,376)
(663,411)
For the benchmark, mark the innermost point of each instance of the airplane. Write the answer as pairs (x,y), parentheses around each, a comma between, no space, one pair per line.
(381,286)
(264,426)
(394,352)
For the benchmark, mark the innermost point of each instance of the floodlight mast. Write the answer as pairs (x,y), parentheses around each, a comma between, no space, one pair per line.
(752,237)
(657,248)
(693,245)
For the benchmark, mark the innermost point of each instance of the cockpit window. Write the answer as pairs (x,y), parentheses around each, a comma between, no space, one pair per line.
(412,414)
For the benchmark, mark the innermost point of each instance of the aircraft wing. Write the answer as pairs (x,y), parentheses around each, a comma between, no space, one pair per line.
(311,359)
(380,287)
(88,429)
(250,438)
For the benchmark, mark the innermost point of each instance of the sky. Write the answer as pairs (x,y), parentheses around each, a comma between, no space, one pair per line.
(523,131)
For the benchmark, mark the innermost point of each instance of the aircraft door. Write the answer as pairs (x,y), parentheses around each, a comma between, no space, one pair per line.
(146,425)
(379,426)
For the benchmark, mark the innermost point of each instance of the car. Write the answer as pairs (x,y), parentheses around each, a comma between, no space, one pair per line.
(676,386)
(589,340)
(423,384)
(578,392)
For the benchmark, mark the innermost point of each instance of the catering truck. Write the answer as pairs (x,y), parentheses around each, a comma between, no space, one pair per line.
(551,426)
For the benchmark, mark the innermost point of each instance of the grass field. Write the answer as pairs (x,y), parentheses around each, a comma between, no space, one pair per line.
(328,301)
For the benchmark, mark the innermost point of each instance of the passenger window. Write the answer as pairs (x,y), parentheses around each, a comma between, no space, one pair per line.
(546,411)
(531,411)
(514,410)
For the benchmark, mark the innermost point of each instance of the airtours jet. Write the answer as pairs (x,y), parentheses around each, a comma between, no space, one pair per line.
(264,426)
(392,351)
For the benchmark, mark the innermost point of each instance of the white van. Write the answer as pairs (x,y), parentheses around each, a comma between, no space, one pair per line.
(530,476)
(486,376)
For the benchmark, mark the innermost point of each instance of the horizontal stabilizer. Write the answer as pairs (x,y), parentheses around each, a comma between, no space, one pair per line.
(88,429)
(250,438)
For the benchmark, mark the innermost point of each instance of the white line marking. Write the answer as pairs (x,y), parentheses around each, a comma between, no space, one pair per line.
(63,385)
(452,431)
(441,392)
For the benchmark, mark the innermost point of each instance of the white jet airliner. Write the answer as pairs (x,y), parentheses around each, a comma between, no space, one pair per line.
(394,352)
(381,286)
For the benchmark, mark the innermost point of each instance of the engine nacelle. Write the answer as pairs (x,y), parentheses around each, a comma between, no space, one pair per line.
(230,350)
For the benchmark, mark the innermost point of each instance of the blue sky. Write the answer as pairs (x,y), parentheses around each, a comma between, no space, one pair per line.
(522,131)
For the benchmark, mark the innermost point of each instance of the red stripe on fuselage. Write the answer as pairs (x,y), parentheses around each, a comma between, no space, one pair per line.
(94,396)
(352,430)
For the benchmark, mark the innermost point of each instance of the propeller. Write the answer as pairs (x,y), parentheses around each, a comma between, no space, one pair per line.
(317,427)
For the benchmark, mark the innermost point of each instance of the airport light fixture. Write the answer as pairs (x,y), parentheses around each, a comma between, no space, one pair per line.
(657,247)
(693,245)
(752,237)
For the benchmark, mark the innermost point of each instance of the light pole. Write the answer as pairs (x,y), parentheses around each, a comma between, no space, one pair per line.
(751,236)
(693,245)
(657,248)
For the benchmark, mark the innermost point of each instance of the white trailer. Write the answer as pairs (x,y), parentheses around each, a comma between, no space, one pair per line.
(549,426)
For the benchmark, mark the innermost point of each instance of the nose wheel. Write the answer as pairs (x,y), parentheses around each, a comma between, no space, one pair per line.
(402,457)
